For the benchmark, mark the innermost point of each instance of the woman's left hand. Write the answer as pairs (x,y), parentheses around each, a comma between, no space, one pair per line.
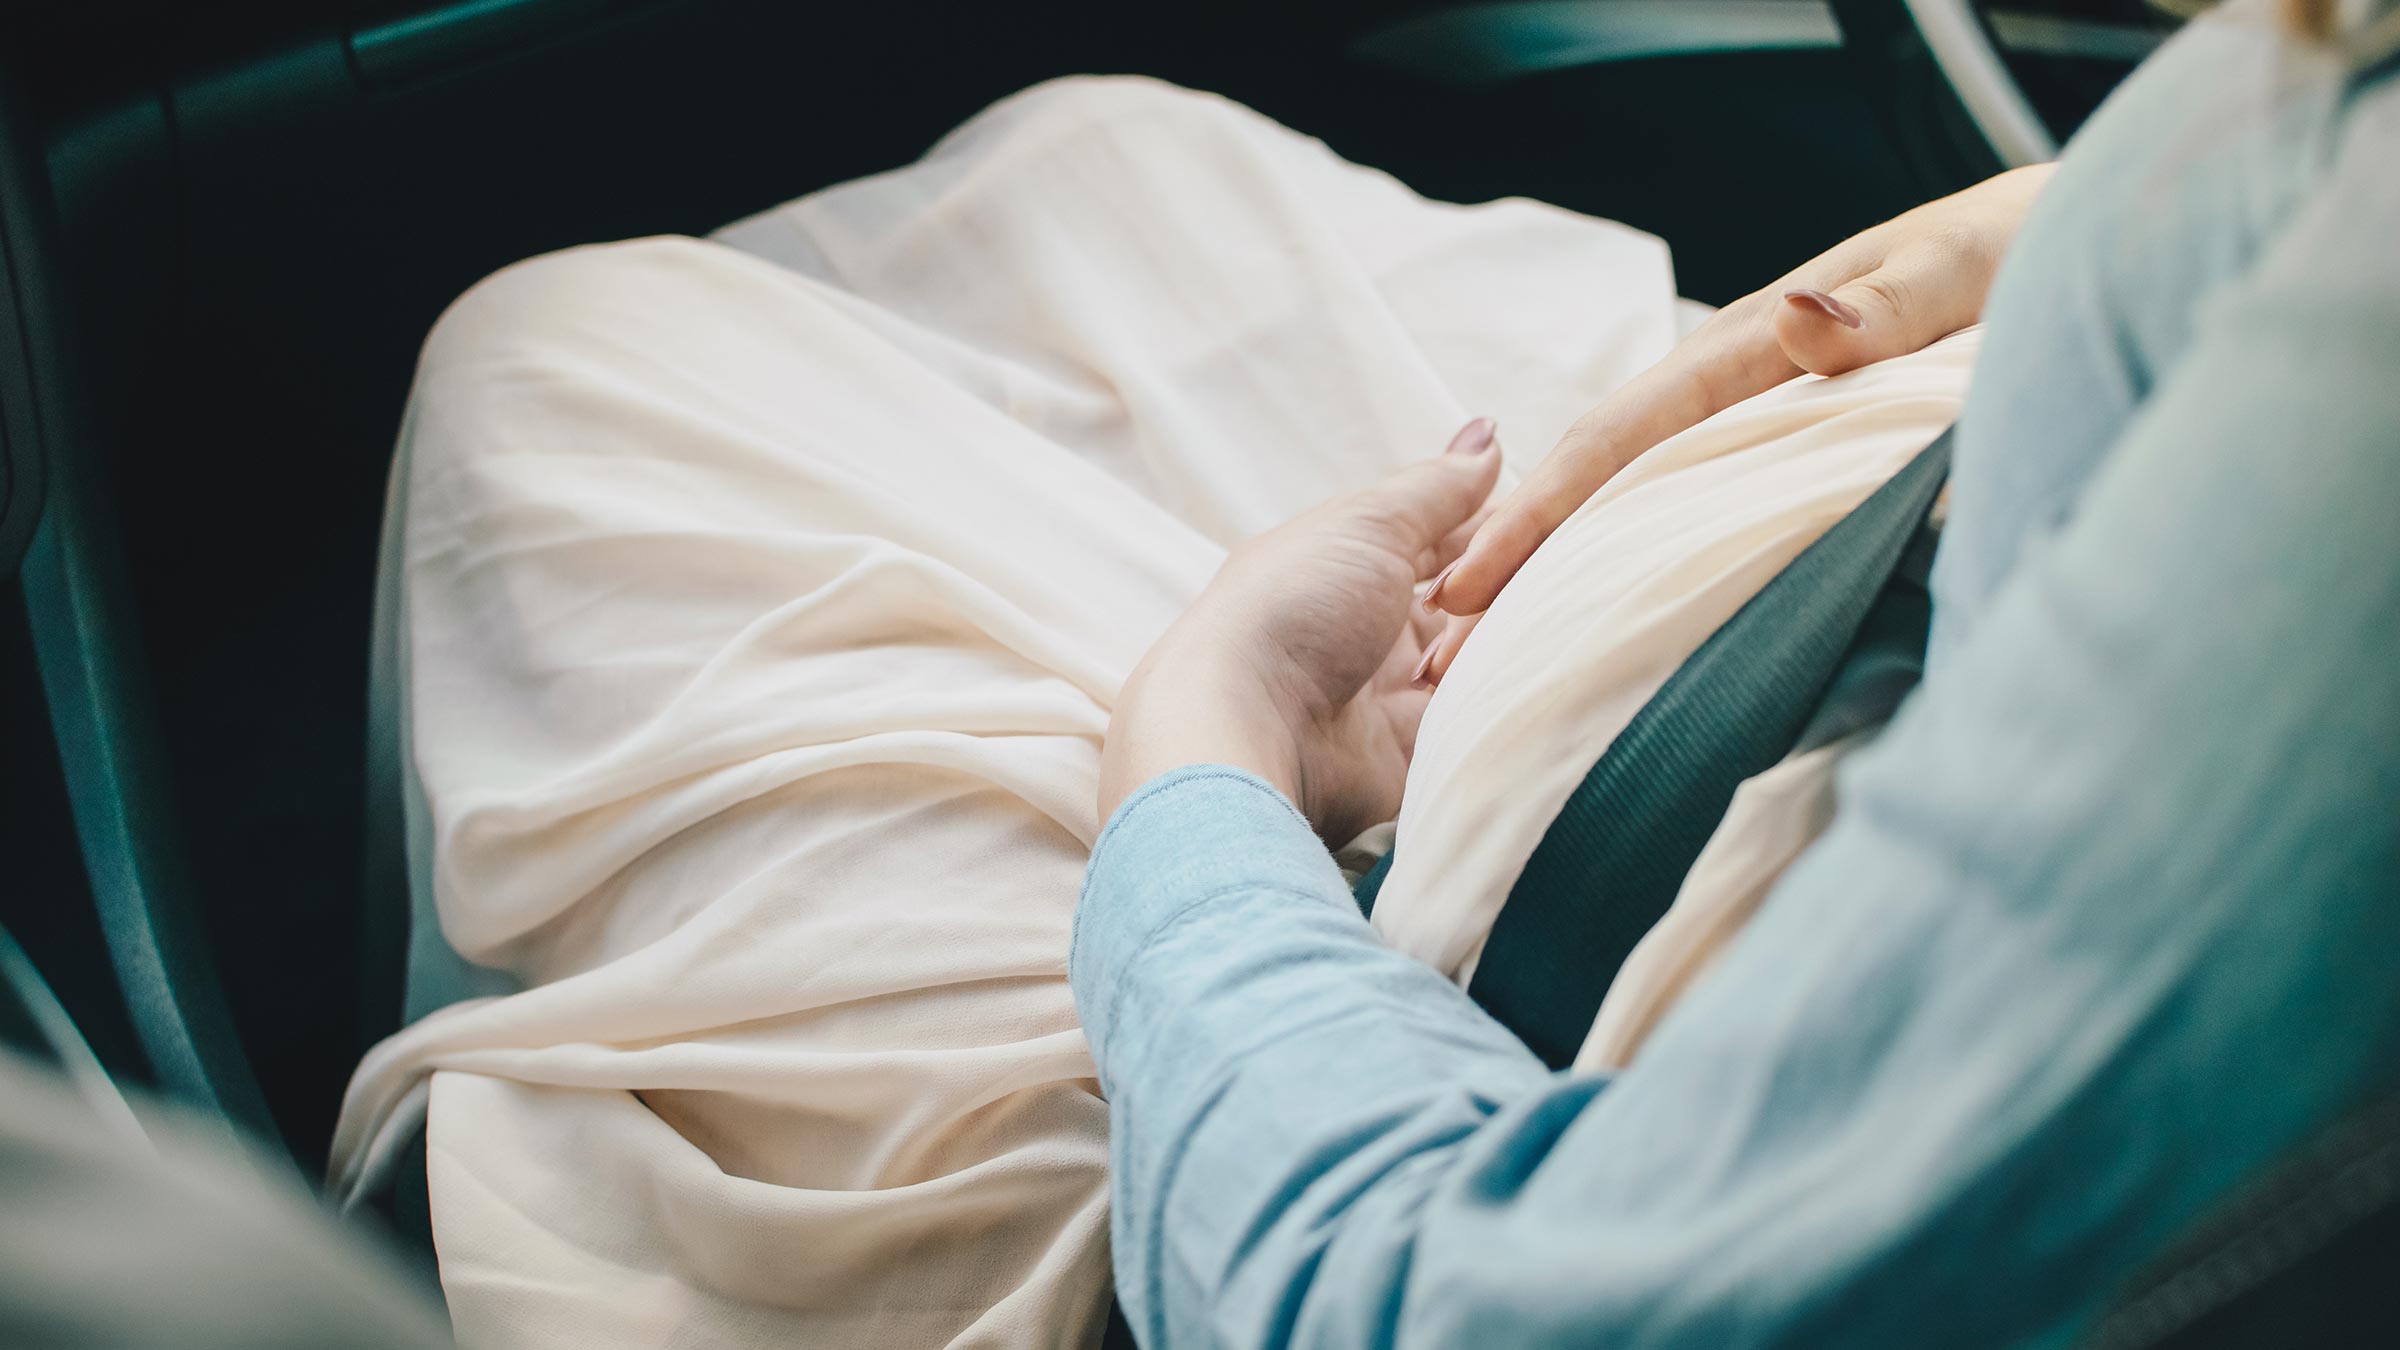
(1302,660)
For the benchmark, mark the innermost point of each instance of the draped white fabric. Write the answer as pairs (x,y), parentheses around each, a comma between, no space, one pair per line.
(765,601)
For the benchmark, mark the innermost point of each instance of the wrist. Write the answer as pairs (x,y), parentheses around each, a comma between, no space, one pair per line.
(1183,707)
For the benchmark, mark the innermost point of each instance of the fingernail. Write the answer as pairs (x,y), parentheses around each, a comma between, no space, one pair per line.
(1422,676)
(1832,308)
(1433,588)
(1474,438)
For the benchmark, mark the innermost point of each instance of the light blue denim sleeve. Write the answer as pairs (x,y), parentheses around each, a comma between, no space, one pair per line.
(2104,924)
(1276,1076)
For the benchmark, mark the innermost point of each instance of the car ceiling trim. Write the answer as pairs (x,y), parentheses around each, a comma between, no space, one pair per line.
(1492,43)
(1963,50)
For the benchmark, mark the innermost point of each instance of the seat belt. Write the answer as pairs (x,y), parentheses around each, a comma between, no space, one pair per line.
(1612,861)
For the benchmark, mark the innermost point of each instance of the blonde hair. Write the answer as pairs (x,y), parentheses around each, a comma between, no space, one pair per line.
(2361,34)
(2310,18)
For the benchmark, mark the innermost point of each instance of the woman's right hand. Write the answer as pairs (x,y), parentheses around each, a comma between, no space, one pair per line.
(1888,291)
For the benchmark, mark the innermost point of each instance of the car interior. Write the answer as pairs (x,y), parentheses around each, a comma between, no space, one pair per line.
(225,229)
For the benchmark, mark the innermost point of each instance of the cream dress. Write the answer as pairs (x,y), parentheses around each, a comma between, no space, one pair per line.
(760,603)
(765,600)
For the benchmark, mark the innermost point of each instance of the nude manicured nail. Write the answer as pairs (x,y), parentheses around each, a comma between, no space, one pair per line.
(1422,676)
(1830,307)
(1474,438)
(1433,588)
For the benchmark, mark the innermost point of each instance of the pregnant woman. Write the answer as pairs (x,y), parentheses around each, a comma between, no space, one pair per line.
(781,617)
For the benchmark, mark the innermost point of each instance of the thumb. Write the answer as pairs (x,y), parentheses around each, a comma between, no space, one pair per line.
(1919,295)
(1421,504)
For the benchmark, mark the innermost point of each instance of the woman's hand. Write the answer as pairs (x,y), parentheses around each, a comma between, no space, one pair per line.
(1302,660)
(1886,292)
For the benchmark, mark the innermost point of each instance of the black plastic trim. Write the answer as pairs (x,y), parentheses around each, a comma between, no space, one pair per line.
(86,643)
(22,204)
(1490,43)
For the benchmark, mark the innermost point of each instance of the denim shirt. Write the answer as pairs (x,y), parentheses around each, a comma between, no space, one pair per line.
(2106,920)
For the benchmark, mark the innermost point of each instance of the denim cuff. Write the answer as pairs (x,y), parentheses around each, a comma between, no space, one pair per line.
(1189,836)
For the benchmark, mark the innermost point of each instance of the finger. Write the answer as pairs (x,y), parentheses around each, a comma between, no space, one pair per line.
(1925,290)
(1424,625)
(1400,663)
(1506,540)
(1445,551)
(1910,281)
(1405,707)
(1422,504)
(1730,358)
(1442,651)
